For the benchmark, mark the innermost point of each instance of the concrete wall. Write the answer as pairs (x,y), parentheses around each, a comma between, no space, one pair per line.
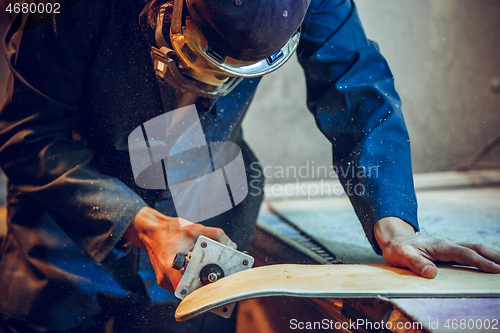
(443,55)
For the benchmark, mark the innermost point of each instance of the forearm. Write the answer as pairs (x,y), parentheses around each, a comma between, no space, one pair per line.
(352,96)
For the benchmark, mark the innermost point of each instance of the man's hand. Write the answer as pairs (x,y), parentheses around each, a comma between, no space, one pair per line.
(403,248)
(162,237)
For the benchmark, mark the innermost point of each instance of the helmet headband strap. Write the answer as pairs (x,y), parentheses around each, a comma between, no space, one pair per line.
(177,17)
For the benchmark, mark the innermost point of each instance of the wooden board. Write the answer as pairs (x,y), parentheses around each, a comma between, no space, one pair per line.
(337,281)
(3,223)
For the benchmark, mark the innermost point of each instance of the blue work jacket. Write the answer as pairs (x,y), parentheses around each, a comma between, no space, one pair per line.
(88,74)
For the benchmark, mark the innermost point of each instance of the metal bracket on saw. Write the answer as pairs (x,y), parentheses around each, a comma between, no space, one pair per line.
(207,263)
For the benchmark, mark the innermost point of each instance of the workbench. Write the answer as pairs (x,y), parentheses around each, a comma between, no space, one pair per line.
(464,206)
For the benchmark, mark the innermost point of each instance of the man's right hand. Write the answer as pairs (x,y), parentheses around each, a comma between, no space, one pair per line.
(163,236)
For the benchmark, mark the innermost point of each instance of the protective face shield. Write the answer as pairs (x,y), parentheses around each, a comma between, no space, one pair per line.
(193,65)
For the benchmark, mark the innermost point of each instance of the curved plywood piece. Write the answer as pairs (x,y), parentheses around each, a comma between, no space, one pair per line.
(337,281)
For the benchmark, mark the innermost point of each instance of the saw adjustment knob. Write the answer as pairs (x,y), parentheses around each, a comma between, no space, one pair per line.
(211,273)
(179,261)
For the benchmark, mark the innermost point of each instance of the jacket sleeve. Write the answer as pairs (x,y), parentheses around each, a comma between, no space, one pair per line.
(49,65)
(350,91)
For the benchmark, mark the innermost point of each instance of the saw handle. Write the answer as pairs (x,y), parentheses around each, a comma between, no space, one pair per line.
(179,261)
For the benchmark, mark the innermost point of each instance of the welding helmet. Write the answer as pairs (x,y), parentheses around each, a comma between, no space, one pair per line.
(209,46)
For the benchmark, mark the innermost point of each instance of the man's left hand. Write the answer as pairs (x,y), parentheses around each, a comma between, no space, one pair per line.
(402,247)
